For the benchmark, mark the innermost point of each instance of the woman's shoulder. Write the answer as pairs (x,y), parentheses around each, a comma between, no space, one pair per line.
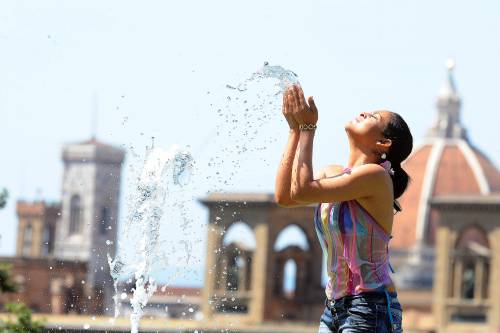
(329,171)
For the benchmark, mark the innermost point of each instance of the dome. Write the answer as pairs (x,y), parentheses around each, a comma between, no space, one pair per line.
(446,163)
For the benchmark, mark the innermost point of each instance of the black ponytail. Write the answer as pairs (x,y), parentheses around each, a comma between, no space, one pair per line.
(402,144)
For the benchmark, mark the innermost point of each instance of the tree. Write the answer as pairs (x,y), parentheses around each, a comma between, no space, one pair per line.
(24,322)
(3,197)
(6,283)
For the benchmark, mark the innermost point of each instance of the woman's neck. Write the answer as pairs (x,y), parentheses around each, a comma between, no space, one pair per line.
(359,156)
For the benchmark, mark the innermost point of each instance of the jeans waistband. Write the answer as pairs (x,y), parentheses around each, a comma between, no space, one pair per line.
(375,297)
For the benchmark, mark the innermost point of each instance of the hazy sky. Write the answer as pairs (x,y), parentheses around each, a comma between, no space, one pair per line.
(152,68)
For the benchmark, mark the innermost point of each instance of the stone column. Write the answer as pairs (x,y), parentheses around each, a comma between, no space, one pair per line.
(57,296)
(259,273)
(457,278)
(494,281)
(214,249)
(242,273)
(479,279)
(441,275)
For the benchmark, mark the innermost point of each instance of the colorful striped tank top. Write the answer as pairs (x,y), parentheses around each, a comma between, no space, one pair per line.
(356,248)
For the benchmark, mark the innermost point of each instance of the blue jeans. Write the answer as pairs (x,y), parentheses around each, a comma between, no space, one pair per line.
(367,312)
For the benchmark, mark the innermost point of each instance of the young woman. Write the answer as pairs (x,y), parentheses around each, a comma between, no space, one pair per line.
(354,216)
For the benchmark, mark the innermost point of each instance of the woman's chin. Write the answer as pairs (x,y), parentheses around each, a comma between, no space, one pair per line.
(349,125)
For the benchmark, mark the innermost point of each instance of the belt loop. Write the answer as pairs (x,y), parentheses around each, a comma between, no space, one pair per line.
(389,312)
(330,304)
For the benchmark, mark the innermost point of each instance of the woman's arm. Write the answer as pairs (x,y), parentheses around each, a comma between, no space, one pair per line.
(363,181)
(284,174)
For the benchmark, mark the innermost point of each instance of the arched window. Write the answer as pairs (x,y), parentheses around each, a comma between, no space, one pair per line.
(75,215)
(240,233)
(291,235)
(105,220)
(46,242)
(28,236)
(470,264)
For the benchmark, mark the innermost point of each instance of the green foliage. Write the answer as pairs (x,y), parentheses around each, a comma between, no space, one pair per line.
(24,323)
(6,283)
(3,197)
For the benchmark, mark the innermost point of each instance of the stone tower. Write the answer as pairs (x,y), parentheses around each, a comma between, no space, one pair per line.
(248,283)
(36,228)
(89,212)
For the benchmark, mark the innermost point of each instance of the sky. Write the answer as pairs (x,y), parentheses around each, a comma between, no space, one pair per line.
(159,68)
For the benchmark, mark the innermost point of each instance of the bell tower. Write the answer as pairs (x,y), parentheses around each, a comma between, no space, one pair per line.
(89,213)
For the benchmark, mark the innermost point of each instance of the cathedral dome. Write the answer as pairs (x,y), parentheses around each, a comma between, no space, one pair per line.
(446,163)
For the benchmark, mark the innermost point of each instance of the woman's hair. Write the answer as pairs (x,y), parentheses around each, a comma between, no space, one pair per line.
(402,144)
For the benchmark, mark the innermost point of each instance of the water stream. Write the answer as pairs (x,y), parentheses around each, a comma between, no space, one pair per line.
(161,171)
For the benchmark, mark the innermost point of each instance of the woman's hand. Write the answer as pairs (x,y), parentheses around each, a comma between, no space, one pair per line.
(288,111)
(303,113)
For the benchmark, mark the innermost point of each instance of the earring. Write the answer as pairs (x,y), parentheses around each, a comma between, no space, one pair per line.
(383,156)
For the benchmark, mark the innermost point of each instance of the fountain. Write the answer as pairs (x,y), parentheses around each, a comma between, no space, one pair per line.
(164,175)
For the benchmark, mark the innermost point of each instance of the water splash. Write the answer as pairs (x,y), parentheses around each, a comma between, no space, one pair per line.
(249,116)
(161,171)
(285,77)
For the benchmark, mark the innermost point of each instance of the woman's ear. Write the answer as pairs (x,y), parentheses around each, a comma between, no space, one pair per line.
(384,143)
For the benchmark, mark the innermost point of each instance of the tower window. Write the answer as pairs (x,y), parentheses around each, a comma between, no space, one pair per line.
(75,215)
(28,235)
(105,220)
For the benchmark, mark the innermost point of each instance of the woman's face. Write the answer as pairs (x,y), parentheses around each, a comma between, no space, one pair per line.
(368,127)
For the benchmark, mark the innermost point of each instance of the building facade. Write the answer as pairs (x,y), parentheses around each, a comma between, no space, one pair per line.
(247,282)
(36,228)
(467,278)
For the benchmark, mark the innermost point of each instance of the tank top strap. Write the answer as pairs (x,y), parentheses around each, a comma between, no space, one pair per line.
(386,165)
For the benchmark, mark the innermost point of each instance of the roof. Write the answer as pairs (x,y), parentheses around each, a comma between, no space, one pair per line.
(244,198)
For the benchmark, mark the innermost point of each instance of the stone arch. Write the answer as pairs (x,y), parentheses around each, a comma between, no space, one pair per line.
(292,232)
(472,234)
(241,233)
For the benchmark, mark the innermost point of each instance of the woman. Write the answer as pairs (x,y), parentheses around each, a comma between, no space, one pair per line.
(355,210)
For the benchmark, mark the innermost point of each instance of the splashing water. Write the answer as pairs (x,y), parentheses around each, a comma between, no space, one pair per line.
(160,171)
(248,119)
(285,76)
